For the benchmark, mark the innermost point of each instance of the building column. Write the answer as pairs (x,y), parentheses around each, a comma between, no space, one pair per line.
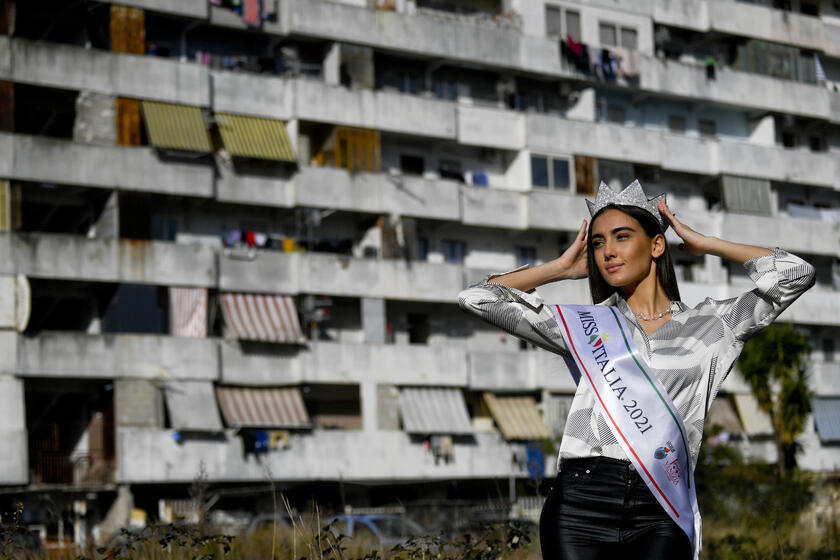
(14,461)
(374,322)
(368,395)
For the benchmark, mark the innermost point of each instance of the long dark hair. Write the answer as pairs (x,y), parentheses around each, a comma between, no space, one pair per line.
(600,289)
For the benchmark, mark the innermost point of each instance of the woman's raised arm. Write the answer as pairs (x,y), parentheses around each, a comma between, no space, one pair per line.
(572,264)
(698,244)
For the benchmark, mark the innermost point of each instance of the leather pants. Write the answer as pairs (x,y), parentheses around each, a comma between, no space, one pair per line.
(600,508)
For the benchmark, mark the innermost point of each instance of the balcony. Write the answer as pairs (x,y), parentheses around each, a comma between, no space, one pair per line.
(324,187)
(329,362)
(419,33)
(495,207)
(73,257)
(339,275)
(109,356)
(50,160)
(150,456)
(797,235)
(384,111)
(490,127)
(260,95)
(190,8)
(143,77)
(680,152)
(747,20)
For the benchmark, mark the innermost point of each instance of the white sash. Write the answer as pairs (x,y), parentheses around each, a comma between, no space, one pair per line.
(636,407)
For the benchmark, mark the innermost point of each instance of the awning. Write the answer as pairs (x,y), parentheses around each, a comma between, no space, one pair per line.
(723,414)
(517,417)
(427,410)
(192,406)
(262,317)
(827,418)
(756,421)
(251,407)
(255,137)
(176,127)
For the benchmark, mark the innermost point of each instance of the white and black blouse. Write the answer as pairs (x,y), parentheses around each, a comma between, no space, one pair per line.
(691,354)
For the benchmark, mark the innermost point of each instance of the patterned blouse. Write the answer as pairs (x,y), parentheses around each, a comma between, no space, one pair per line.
(691,354)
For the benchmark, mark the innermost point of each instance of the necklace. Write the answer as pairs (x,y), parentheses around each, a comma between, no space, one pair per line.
(644,317)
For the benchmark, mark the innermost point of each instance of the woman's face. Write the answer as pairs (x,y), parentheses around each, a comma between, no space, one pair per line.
(622,249)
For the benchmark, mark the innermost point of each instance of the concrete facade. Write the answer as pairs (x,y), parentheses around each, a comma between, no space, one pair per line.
(467,179)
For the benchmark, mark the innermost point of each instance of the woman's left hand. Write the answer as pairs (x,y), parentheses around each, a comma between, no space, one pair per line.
(693,242)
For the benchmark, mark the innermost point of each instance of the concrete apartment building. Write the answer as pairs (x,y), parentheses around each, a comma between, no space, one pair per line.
(233,233)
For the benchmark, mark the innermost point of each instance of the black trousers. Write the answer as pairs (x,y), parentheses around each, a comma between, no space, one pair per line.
(600,508)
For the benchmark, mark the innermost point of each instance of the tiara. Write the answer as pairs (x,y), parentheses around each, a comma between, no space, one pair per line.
(632,195)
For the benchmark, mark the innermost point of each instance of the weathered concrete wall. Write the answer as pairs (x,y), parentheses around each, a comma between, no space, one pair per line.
(114,356)
(252,94)
(394,112)
(494,128)
(37,158)
(191,8)
(377,193)
(494,207)
(143,77)
(78,258)
(154,456)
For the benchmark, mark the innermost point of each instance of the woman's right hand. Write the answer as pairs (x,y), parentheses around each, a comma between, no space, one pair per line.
(573,262)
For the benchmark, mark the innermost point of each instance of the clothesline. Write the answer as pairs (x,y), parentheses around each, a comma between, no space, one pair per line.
(604,64)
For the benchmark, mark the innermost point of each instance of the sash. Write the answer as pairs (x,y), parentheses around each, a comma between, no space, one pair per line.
(636,407)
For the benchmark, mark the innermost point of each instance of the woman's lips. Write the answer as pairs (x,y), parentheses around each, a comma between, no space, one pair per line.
(613,267)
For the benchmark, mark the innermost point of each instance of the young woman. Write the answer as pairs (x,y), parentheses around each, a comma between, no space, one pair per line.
(599,506)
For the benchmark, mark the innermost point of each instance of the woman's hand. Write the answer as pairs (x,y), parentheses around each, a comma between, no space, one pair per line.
(574,259)
(693,242)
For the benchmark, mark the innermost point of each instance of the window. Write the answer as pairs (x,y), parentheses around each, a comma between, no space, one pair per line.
(548,172)
(562,23)
(418,328)
(560,174)
(539,171)
(422,248)
(707,127)
(451,169)
(628,38)
(828,349)
(525,255)
(454,251)
(573,25)
(607,34)
(616,114)
(816,144)
(411,165)
(788,139)
(553,21)
(676,123)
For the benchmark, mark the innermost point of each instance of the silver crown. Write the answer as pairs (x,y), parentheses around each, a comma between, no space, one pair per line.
(632,195)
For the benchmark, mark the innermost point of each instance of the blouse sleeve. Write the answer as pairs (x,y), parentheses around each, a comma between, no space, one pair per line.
(522,314)
(780,277)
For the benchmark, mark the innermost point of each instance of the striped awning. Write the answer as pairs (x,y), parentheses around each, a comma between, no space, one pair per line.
(270,407)
(722,413)
(827,418)
(428,410)
(192,406)
(176,127)
(756,422)
(261,317)
(255,137)
(517,417)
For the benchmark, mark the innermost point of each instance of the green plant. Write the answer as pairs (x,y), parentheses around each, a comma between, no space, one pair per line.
(773,363)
